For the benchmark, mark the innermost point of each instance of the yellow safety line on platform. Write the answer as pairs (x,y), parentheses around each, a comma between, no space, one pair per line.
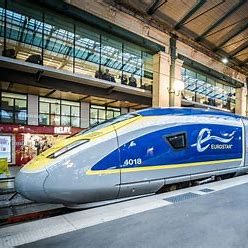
(159,167)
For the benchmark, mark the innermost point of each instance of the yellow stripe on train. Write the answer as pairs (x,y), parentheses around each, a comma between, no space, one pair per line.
(159,167)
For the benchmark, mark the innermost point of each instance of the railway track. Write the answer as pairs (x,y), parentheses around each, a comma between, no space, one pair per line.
(24,213)
(14,208)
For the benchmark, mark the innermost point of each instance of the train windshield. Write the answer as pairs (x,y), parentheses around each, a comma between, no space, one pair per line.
(109,122)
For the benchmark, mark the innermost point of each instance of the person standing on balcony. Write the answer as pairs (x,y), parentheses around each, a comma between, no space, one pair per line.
(98,74)
(106,75)
(124,79)
(132,81)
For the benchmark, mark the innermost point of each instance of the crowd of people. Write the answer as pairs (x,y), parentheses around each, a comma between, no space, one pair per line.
(125,80)
(131,81)
(36,59)
(105,76)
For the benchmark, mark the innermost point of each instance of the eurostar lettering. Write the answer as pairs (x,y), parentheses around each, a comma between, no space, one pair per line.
(221,146)
(205,137)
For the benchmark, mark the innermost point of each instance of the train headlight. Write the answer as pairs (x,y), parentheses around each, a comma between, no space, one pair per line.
(67,148)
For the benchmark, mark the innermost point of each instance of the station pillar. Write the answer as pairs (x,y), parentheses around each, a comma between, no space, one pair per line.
(85,114)
(241,101)
(167,83)
(124,111)
(161,80)
(33,110)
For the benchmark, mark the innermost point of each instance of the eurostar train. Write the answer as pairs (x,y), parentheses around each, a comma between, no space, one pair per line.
(135,154)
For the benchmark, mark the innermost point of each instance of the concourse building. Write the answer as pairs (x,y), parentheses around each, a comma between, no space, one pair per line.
(67,65)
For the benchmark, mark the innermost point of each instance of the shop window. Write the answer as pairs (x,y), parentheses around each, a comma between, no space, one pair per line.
(75,121)
(44,107)
(44,119)
(13,108)
(177,141)
(66,121)
(110,114)
(59,112)
(65,110)
(99,114)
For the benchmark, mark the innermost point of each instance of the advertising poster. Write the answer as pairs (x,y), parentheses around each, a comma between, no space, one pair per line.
(5,147)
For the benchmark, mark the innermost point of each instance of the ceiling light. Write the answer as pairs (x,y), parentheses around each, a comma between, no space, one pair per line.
(179,85)
(224,60)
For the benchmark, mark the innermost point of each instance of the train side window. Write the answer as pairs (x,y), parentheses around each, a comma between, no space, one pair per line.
(177,141)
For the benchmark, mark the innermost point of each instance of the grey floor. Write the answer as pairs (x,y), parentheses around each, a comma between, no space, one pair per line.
(218,220)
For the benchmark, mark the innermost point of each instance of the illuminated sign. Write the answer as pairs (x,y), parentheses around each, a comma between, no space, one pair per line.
(5,147)
(62,130)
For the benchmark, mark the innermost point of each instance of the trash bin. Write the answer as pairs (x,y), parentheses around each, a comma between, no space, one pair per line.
(4,166)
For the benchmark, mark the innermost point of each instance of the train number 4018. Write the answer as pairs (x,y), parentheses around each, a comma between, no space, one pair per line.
(135,161)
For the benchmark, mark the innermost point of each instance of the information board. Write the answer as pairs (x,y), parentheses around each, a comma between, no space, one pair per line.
(5,147)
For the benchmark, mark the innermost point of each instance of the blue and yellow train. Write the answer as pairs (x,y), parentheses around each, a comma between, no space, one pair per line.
(137,153)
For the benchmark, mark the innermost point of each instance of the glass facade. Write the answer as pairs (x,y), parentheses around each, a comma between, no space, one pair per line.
(206,90)
(101,113)
(51,111)
(31,34)
(13,108)
(57,112)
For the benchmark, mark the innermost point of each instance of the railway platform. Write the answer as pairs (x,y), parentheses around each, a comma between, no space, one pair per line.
(210,215)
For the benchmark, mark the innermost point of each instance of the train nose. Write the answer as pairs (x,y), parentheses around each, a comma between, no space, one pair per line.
(30,185)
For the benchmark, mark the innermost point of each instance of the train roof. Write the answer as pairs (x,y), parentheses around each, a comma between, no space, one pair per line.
(184,111)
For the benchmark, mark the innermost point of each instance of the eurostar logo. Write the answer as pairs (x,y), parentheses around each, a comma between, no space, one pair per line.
(205,136)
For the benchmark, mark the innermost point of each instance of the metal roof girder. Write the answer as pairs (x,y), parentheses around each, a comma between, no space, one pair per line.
(239,49)
(219,21)
(196,7)
(230,37)
(155,6)
(244,62)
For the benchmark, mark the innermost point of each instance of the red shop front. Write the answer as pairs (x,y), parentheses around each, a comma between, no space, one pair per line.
(22,143)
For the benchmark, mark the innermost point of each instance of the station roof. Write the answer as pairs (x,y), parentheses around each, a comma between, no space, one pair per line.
(218,27)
